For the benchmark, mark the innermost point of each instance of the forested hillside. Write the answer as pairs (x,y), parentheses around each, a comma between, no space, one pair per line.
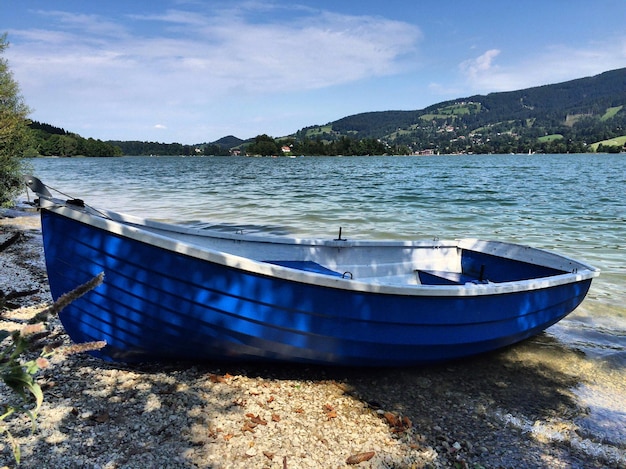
(47,140)
(565,117)
(138,148)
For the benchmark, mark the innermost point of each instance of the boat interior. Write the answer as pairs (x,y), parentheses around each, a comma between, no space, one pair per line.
(431,262)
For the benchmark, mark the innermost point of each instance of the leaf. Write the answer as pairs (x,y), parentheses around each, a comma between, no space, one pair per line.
(248,427)
(31,367)
(360,457)
(331,413)
(15,447)
(20,381)
(102,417)
(397,424)
(35,389)
(17,379)
(258,420)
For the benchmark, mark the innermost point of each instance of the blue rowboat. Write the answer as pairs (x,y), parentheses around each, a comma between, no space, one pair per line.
(172,292)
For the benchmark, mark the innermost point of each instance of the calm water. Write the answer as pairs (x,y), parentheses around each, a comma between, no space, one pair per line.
(574,204)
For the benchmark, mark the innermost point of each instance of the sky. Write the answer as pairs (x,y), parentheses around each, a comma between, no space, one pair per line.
(192,71)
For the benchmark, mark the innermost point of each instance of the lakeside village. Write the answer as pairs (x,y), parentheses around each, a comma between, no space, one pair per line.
(433,135)
(287,151)
(474,143)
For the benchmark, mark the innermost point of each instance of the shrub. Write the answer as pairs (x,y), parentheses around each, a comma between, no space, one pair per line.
(13,130)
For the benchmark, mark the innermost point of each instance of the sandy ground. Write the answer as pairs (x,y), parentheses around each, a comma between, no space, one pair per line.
(519,407)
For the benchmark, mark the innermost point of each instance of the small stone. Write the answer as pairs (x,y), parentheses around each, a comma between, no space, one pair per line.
(424,383)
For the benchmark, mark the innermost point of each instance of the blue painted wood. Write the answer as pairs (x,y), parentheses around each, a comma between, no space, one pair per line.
(158,305)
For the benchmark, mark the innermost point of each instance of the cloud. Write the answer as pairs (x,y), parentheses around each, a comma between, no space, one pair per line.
(183,63)
(553,64)
(480,65)
(94,24)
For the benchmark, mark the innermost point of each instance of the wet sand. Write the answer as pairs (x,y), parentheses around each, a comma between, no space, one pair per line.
(536,404)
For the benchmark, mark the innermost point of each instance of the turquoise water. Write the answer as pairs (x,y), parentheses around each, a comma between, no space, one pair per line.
(573,204)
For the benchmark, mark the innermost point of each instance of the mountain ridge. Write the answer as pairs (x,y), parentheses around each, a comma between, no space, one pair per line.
(573,110)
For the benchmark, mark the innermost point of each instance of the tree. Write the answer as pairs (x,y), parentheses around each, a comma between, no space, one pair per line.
(13,130)
(263,145)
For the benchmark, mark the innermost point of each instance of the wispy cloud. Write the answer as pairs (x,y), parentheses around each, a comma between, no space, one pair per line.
(539,67)
(80,23)
(199,58)
(479,66)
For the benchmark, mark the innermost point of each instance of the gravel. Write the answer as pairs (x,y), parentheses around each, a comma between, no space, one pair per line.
(515,408)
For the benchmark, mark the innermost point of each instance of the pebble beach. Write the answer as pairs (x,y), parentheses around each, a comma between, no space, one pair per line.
(521,407)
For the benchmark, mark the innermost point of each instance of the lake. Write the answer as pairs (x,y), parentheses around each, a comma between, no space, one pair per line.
(573,204)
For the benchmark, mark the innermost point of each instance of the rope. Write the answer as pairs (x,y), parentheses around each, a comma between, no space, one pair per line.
(71,198)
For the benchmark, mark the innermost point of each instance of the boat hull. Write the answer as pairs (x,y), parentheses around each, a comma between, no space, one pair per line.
(155,304)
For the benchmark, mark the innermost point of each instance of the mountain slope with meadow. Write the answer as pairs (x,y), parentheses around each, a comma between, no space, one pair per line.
(569,116)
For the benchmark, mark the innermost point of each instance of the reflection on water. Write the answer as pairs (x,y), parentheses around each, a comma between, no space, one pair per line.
(598,384)
(605,422)
(597,330)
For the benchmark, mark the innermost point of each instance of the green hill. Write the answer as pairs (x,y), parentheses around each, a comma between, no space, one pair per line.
(47,140)
(563,117)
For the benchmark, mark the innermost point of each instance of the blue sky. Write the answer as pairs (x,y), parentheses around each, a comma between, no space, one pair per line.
(192,71)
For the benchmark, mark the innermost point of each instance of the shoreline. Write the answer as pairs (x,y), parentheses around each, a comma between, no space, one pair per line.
(519,407)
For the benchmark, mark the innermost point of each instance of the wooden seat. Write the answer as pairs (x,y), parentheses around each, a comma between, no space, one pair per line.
(440,277)
(308,266)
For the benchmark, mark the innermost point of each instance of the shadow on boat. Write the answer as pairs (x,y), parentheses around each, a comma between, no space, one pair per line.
(246,228)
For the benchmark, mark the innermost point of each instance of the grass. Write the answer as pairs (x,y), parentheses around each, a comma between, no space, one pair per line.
(610,112)
(453,110)
(315,131)
(612,142)
(550,138)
